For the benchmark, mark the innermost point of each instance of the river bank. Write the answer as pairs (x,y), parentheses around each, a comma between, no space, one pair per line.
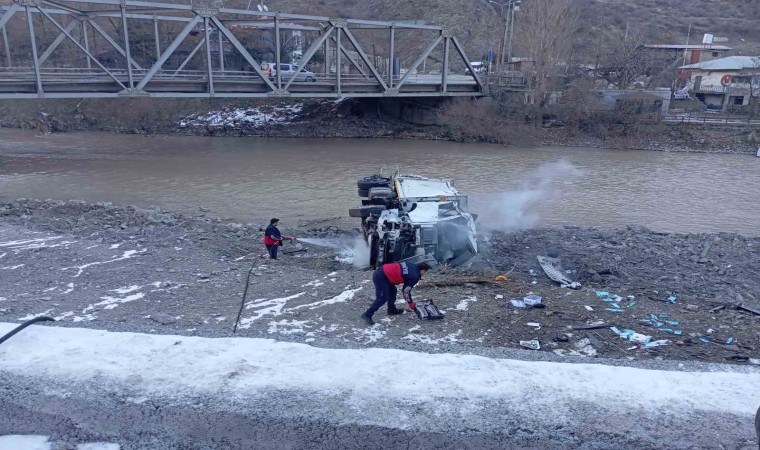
(343,119)
(155,271)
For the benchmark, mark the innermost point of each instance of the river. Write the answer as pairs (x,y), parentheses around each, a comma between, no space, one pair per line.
(303,179)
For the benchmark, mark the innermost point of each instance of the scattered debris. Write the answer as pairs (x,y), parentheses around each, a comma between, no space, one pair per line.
(588,308)
(553,269)
(532,300)
(532,344)
(593,326)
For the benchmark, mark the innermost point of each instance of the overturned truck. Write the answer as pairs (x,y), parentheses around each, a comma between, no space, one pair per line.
(414,218)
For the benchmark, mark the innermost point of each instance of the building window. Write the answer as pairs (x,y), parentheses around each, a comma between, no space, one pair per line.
(738,100)
(741,80)
(715,54)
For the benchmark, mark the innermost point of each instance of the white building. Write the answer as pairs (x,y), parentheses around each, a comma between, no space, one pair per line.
(724,82)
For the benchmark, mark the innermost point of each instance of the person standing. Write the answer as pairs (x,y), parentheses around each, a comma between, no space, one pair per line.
(386,278)
(273,238)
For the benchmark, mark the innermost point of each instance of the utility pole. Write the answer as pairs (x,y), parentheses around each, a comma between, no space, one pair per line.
(514,6)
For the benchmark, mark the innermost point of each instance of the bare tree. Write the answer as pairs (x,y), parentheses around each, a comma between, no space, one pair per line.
(625,59)
(546,32)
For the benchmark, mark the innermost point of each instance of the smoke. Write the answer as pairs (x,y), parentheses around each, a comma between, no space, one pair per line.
(518,210)
(350,250)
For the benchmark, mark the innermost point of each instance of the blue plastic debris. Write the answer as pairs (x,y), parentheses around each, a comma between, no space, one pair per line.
(729,341)
(666,330)
(647,321)
(614,305)
(631,303)
(616,298)
(673,322)
(602,294)
(678,332)
(705,340)
(657,343)
(659,324)
(616,331)
(608,300)
(663,316)
(615,310)
(672,299)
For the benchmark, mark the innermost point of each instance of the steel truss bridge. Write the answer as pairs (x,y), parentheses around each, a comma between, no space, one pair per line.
(105,58)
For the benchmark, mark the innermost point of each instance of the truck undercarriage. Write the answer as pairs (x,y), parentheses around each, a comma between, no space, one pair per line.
(414,218)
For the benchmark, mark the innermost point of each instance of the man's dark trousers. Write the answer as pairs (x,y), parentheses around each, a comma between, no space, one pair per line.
(385,292)
(272,249)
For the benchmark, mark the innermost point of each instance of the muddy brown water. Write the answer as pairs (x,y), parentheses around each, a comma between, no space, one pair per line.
(304,179)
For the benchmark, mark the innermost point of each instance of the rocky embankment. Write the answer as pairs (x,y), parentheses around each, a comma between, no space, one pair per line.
(127,269)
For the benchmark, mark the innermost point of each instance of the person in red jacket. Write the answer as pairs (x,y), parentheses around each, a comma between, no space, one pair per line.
(386,278)
(273,239)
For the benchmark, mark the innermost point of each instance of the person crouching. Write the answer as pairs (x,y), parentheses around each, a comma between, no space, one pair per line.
(386,278)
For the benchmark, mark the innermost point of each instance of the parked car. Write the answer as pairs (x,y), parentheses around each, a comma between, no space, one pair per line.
(477,66)
(288,71)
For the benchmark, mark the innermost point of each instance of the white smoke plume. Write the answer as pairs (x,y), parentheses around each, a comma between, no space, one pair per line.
(517,210)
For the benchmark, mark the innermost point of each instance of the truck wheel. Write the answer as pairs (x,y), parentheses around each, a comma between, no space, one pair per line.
(379,192)
(364,193)
(373,181)
(366,211)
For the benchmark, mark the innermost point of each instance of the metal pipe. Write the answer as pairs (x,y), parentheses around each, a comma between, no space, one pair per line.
(86,42)
(126,45)
(511,33)
(445,68)
(34,50)
(158,38)
(277,52)
(221,50)
(391,61)
(337,60)
(208,57)
(7,49)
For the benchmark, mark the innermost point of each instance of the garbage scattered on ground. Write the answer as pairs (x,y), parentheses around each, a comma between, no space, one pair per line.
(532,300)
(592,326)
(499,297)
(553,269)
(672,299)
(532,344)
(517,304)
(588,308)
(534,324)
(501,278)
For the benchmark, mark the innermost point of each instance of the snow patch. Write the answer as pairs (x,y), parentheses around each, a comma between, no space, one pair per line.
(265,307)
(12,267)
(126,255)
(288,327)
(201,366)
(112,302)
(32,316)
(250,117)
(425,339)
(25,442)
(98,446)
(463,305)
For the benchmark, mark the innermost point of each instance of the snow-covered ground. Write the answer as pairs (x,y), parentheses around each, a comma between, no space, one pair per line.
(367,386)
(254,116)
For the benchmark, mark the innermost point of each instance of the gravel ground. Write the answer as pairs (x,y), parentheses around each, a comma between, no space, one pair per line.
(153,271)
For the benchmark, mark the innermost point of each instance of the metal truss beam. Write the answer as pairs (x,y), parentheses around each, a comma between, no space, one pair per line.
(312,50)
(346,54)
(60,38)
(243,52)
(417,63)
(113,43)
(365,58)
(63,31)
(169,51)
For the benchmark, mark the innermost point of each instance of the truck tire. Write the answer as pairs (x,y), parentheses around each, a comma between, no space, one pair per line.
(366,211)
(380,192)
(364,193)
(373,181)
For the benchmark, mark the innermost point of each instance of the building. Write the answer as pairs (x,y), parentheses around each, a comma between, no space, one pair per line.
(692,54)
(725,82)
